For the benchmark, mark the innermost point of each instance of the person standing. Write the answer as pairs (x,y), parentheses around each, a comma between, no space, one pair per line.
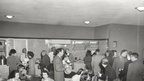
(119,62)
(71,57)
(58,65)
(135,69)
(12,61)
(124,72)
(31,64)
(45,60)
(3,59)
(96,59)
(87,60)
(51,54)
(24,57)
(107,72)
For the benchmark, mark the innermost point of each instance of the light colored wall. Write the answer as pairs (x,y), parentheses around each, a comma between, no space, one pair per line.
(130,37)
(9,29)
(101,32)
(141,42)
(125,35)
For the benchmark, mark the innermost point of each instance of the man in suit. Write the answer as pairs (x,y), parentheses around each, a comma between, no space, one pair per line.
(135,69)
(58,65)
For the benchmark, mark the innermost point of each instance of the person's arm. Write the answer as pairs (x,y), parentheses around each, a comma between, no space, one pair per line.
(92,64)
(114,64)
(8,63)
(59,66)
(129,73)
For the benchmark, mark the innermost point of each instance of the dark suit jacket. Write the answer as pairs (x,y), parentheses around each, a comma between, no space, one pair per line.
(109,72)
(45,61)
(135,71)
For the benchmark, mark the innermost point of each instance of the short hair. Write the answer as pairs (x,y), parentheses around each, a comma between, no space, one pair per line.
(123,51)
(84,76)
(130,52)
(30,53)
(114,50)
(12,51)
(105,61)
(20,66)
(80,71)
(13,73)
(53,48)
(58,50)
(24,49)
(44,71)
(88,53)
(136,55)
(97,50)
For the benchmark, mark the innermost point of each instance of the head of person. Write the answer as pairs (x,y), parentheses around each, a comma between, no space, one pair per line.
(123,53)
(67,50)
(12,52)
(128,55)
(59,52)
(104,62)
(53,49)
(14,74)
(111,54)
(44,52)
(84,76)
(45,74)
(88,53)
(21,67)
(79,72)
(134,56)
(114,52)
(30,54)
(107,53)
(24,50)
(97,51)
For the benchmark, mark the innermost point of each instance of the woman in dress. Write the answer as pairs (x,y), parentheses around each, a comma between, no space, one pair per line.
(31,64)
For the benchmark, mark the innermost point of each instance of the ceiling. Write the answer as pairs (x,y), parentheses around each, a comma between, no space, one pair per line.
(73,12)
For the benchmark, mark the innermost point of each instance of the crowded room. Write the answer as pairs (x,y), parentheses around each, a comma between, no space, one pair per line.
(71,40)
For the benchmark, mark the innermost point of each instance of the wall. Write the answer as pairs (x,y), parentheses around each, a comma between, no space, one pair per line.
(101,32)
(125,35)
(9,29)
(141,42)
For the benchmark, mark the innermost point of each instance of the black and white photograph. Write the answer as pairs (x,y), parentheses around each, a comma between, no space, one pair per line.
(71,40)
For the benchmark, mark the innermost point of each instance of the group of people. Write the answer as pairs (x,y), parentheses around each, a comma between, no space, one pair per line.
(58,64)
(54,65)
(113,67)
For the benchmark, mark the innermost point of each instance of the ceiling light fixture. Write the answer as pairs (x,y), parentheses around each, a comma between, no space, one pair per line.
(140,9)
(9,16)
(87,22)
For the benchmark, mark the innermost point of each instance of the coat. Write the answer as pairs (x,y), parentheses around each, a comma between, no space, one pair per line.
(109,72)
(135,71)
(12,62)
(58,69)
(119,63)
(96,59)
(31,64)
(87,61)
(45,61)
